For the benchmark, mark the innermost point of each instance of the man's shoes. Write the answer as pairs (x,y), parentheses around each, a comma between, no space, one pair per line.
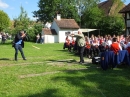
(81,62)
(24,59)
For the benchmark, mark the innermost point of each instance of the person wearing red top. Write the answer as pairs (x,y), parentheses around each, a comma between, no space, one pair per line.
(115,46)
(67,43)
(72,41)
(87,47)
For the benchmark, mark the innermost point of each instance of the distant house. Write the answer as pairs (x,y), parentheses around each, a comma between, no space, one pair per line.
(126,12)
(111,7)
(59,29)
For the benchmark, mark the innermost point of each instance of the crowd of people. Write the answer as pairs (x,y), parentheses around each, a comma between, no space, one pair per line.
(94,45)
(4,36)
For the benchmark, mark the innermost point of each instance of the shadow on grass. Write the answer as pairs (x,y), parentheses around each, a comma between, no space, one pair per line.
(4,59)
(97,83)
(46,93)
(67,61)
(90,82)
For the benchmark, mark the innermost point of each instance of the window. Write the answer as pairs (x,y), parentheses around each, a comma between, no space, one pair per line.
(67,33)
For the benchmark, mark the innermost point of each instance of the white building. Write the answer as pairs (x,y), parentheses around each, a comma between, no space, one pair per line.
(59,29)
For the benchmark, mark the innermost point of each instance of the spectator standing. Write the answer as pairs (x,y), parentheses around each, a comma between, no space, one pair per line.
(81,44)
(37,38)
(3,38)
(42,39)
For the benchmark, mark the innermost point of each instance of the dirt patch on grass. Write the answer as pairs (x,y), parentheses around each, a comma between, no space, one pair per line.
(53,72)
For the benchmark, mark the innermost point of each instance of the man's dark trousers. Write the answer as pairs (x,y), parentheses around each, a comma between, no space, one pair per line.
(81,52)
(18,47)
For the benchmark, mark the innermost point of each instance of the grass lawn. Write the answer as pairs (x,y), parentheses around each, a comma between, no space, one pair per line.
(50,71)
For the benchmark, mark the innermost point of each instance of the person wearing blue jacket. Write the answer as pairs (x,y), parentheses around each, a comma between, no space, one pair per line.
(19,44)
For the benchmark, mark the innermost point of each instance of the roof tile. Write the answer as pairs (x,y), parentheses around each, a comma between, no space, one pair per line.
(67,23)
(125,9)
(49,31)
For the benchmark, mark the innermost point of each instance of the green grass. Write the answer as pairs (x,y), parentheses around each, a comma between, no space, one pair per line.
(53,72)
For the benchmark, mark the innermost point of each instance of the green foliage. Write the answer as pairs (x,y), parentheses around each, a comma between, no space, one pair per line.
(92,17)
(33,31)
(4,20)
(48,9)
(112,25)
(24,23)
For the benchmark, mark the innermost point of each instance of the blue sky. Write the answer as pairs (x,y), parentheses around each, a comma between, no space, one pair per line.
(12,7)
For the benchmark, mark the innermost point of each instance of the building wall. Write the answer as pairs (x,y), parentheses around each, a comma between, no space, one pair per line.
(61,32)
(64,32)
(50,39)
(127,23)
(55,26)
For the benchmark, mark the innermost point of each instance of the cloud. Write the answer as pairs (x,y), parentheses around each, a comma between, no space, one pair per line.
(26,2)
(3,5)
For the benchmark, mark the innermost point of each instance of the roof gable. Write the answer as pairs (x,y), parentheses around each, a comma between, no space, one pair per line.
(111,7)
(49,31)
(125,9)
(105,6)
(67,23)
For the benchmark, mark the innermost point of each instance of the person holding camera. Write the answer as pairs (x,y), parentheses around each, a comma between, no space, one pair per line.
(19,44)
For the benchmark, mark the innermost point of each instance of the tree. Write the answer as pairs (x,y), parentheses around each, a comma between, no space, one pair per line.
(49,8)
(22,22)
(4,21)
(112,25)
(92,17)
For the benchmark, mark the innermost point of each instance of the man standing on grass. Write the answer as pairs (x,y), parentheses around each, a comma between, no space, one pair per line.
(81,44)
(19,44)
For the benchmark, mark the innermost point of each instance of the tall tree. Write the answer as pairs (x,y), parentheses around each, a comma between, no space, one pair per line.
(92,17)
(4,20)
(22,21)
(49,8)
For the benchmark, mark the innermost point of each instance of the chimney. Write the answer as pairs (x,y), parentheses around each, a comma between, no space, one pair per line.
(58,16)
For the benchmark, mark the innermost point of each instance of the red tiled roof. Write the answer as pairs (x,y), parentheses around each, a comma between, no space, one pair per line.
(47,31)
(67,23)
(106,6)
(110,7)
(125,9)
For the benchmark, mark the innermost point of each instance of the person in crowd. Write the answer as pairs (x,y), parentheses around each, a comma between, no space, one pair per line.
(81,44)
(101,40)
(102,44)
(41,38)
(95,47)
(3,38)
(19,44)
(72,43)
(37,38)
(127,45)
(87,47)
(67,43)
(109,41)
(115,46)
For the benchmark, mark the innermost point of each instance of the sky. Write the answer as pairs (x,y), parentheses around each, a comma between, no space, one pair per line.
(12,7)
